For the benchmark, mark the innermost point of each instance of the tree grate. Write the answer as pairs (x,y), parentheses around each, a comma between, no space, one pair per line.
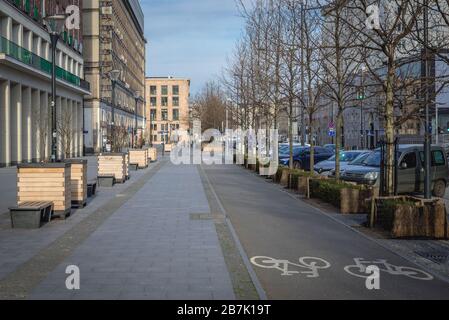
(436,257)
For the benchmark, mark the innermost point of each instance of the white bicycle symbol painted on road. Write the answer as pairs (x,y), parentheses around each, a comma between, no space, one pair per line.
(312,265)
(359,269)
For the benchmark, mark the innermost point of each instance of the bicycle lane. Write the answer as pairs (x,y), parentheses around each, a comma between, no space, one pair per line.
(270,223)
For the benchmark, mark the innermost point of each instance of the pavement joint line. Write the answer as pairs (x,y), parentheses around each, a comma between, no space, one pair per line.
(432,272)
(21,282)
(249,268)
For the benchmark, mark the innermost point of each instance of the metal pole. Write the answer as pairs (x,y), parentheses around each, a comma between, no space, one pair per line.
(54,140)
(113,115)
(428,141)
(135,125)
(361,110)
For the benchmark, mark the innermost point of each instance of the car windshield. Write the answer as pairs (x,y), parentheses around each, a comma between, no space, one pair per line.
(346,156)
(373,160)
(359,160)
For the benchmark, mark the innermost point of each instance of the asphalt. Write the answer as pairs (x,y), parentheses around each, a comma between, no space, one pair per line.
(271,223)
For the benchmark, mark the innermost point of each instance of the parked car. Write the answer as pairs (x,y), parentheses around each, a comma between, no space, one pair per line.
(410,170)
(301,157)
(348,165)
(330,146)
(345,157)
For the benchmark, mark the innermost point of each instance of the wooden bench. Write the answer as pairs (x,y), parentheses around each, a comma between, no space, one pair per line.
(91,188)
(106,181)
(31,215)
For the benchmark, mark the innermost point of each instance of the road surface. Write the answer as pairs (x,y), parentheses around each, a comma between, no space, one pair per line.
(280,229)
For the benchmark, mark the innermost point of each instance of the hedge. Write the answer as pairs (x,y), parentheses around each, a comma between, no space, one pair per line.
(330,190)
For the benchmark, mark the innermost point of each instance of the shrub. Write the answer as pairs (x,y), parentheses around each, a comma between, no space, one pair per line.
(330,190)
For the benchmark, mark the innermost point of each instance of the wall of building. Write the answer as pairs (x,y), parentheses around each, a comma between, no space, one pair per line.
(155,125)
(113,40)
(25,89)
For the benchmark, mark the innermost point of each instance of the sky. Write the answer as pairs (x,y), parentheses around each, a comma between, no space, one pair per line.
(190,38)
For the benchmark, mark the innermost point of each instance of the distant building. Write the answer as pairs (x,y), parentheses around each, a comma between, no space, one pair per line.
(25,83)
(167,101)
(113,33)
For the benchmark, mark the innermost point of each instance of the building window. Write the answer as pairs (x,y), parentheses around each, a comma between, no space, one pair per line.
(164,90)
(164,115)
(153,114)
(164,101)
(175,115)
(153,101)
(175,90)
(153,90)
(175,101)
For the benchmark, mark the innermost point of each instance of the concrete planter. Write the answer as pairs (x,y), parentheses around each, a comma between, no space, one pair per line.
(49,182)
(409,217)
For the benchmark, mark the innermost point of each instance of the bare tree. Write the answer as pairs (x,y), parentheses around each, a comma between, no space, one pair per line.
(342,53)
(65,133)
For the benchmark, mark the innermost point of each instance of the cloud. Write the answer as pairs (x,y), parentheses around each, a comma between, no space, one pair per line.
(190,38)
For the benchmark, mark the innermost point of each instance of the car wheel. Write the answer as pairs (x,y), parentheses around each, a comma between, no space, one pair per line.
(297,165)
(439,189)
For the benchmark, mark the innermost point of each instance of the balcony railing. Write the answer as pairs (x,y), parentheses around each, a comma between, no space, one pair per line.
(23,55)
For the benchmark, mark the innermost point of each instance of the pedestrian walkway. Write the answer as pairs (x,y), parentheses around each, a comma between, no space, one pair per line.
(150,248)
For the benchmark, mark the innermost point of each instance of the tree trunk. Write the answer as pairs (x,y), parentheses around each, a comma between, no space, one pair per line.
(338,134)
(312,144)
(389,130)
(290,138)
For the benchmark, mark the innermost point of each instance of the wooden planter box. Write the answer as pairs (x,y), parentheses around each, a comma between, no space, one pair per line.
(113,164)
(353,201)
(168,148)
(152,154)
(78,178)
(417,218)
(127,176)
(303,185)
(46,183)
(285,178)
(139,157)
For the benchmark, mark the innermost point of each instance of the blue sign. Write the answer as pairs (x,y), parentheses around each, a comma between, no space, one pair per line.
(332,133)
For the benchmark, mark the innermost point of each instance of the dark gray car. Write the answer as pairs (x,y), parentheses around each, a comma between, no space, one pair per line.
(345,157)
(410,170)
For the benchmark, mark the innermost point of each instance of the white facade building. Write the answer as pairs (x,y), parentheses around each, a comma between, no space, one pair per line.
(25,89)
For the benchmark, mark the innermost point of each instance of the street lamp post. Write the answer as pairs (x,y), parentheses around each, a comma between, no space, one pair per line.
(55,25)
(361,97)
(114,75)
(136,97)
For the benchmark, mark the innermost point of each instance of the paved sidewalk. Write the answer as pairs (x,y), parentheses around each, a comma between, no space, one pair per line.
(150,248)
(19,246)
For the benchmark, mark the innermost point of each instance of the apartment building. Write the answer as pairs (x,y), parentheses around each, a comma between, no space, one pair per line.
(113,33)
(25,83)
(167,107)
